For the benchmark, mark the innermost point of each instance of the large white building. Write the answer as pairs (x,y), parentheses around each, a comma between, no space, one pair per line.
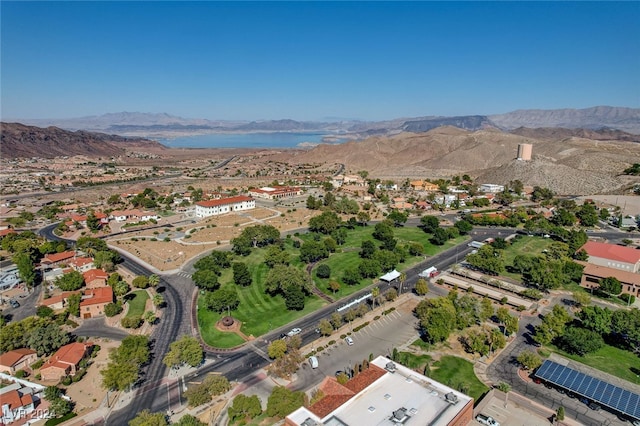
(491,187)
(386,393)
(276,192)
(224,205)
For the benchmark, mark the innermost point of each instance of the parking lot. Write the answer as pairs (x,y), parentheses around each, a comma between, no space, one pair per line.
(378,338)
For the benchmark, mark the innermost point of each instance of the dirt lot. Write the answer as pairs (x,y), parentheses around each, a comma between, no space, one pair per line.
(205,235)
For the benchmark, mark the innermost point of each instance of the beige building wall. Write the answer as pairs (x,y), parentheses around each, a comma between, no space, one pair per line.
(525,151)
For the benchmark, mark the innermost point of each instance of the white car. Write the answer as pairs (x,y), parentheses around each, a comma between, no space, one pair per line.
(349,340)
(487,420)
(294,331)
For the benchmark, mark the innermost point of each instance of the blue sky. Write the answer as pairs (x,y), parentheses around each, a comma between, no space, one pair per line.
(310,61)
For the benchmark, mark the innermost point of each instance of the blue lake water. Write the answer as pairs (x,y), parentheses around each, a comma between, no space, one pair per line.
(245,140)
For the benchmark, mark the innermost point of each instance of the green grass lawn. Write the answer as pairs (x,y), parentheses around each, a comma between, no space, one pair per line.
(609,359)
(349,257)
(527,245)
(137,303)
(458,373)
(210,334)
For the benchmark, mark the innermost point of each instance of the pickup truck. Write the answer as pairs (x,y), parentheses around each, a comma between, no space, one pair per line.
(487,420)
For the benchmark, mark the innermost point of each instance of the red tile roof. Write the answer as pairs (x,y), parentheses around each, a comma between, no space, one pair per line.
(611,252)
(224,201)
(70,354)
(15,400)
(6,232)
(365,378)
(624,277)
(57,299)
(11,358)
(79,262)
(95,296)
(93,274)
(58,257)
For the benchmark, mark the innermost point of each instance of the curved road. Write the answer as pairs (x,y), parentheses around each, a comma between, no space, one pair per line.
(241,364)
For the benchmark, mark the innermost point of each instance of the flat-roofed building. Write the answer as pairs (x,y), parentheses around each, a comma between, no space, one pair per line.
(386,393)
(592,274)
(224,205)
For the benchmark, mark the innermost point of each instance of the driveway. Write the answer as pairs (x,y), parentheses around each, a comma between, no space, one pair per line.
(96,327)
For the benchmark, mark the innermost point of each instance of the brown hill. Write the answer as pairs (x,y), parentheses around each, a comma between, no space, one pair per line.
(20,141)
(572,164)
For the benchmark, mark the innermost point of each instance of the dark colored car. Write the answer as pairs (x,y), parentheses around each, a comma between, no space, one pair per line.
(14,303)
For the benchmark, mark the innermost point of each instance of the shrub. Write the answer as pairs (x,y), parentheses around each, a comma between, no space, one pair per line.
(79,375)
(20,374)
(331,342)
(131,322)
(167,239)
(361,326)
(71,323)
(37,364)
(323,271)
(504,300)
(520,308)
(66,380)
(343,336)
(113,309)
(376,318)
(627,298)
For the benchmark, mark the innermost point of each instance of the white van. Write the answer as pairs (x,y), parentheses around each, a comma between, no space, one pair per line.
(313,361)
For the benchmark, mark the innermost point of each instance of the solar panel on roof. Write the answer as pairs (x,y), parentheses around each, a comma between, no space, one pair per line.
(595,389)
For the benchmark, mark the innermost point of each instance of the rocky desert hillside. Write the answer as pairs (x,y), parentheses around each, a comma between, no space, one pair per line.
(565,163)
(20,141)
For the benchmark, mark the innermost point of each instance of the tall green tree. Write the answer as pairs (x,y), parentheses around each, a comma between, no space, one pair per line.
(185,350)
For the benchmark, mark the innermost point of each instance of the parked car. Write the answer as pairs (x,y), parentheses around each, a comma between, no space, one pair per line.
(294,331)
(487,420)
(14,303)
(313,361)
(349,340)
(594,406)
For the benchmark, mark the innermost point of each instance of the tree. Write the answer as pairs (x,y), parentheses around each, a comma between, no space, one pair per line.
(610,286)
(485,309)
(223,299)
(121,288)
(26,271)
(276,255)
(325,223)
(47,339)
(437,318)
(113,309)
(277,349)
(325,327)
(147,418)
(367,249)
(241,274)
(186,350)
(70,282)
(560,413)
(245,407)
(580,341)
(439,236)
(422,287)
(125,363)
(281,277)
(429,223)
(464,227)
(488,259)
(596,318)
(369,268)
(351,276)
(283,401)
(205,279)
(312,251)
(73,304)
(391,295)
(140,282)
(375,294)
(336,320)
(158,300)
(334,286)
(363,218)
(294,298)
(323,271)
(44,312)
(529,360)
(399,218)
(154,280)
(189,420)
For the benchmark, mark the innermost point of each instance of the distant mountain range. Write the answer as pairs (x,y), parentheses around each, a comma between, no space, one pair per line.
(165,125)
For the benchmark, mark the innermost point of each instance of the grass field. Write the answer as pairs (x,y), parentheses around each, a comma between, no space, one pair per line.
(258,311)
(609,359)
(137,303)
(349,256)
(212,336)
(528,245)
(458,373)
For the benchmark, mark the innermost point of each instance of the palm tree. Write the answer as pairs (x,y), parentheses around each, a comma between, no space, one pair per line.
(154,280)
(375,293)
(402,278)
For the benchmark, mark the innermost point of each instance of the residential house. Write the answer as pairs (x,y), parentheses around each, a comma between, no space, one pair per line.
(423,185)
(491,188)
(81,264)
(224,205)
(65,361)
(422,205)
(56,259)
(612,256)
(17,403)
(59,301)
(94,300)
(94,278)
(17,359)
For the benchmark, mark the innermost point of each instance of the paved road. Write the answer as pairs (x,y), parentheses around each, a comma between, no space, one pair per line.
(96,327)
